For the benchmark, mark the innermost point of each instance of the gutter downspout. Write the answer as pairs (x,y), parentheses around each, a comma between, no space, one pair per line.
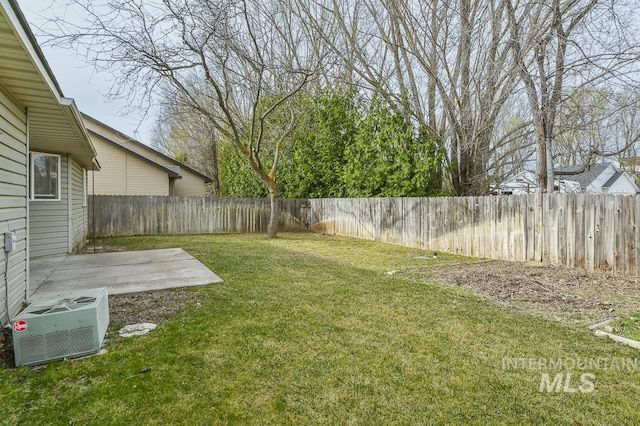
(69,204)
(27,289)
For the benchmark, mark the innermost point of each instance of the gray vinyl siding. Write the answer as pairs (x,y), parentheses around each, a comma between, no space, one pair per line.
(49,221)
(13,203)
(79,216)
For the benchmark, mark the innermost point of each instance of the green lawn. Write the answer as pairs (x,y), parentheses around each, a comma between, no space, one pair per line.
(308,329)
(628,327)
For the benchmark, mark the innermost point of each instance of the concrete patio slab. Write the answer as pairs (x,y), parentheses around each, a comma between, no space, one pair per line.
(120,272)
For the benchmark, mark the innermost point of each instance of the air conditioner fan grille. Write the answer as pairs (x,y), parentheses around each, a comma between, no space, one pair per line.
(63,305)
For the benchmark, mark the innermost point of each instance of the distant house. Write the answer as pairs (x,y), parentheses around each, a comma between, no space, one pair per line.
(526,182)
(598,178)
(129,167)
(45,153)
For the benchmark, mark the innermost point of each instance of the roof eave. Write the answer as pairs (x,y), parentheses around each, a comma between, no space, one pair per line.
(70,109)
(23,29)
(78,145)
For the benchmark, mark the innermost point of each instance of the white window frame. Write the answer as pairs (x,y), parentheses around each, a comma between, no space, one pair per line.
(32,195)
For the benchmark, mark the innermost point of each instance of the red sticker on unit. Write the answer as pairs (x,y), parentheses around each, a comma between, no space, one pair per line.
(20,326)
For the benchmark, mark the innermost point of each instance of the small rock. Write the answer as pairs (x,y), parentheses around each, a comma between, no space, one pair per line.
(608,329)
(136,329)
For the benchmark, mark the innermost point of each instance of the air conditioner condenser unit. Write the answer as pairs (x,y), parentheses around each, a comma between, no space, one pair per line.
(65,326)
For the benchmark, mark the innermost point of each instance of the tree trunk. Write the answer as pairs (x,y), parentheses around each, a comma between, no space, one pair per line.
(544,163)
(215,185)
(272,228)
(550,175)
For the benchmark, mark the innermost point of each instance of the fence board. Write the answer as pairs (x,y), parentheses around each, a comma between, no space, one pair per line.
(579,233)
(493,220)
(598,233)
(563,227)
(618,236)
(628,238)
(609,232)
(539,227)
(636,245)
(550,220)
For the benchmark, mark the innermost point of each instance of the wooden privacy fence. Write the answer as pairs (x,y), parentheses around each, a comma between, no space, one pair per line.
(577,230)
(583,231)
(111,215)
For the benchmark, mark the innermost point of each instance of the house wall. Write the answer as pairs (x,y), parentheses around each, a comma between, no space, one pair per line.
(52,229)
(13,203)
(125,174)
(596,186)
(79,208)
(49,220)
(190,185)
(622,186)
(112,180)
(144,179)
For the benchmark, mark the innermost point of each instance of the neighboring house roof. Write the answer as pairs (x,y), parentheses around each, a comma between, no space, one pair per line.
(585,177)
(55,124)
(624,181)
(613,179)
(174,168)
(140,148)
(167,169)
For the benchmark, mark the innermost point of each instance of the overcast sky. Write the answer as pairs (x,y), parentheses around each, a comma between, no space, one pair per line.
(80,82)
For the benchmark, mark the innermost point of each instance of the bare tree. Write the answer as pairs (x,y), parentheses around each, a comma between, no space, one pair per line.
(626,127)
(596,123)
(189,137)
(247,58)
(559,46)
(444,65)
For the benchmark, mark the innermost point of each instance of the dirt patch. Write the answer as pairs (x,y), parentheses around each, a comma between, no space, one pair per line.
(153,306)
(98,246)
(556,292)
